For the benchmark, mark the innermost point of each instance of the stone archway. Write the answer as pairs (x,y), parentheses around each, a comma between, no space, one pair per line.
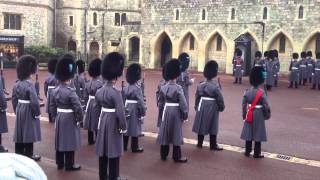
(313,43)
(134,49)
(162,50)
(216,49)
(189,45)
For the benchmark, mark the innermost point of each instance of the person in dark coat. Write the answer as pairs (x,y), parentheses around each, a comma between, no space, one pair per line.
(50,83)
(135,106)
(3,115)
(26,106)
(255,110)
(92,110)
(238,63)
(294,71)
(310,66)
(184,79)
(163,82)
(209,103)
(316,72)
(112,122)
(67,111)
(175,112)
(79,82)
(303,69)
(276,71)
(270,69)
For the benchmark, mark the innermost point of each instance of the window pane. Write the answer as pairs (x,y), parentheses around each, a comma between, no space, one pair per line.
(12,22)
(95,20)
(203,14)
(177,15)
(300,12)
(117,19)
(6,21)
(233,14)
(282,44)
(71,20)
(18,22)
(265,13)
(219,43)
(123,18)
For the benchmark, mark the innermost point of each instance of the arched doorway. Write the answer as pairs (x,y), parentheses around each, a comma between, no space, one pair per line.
(189,45)
(313,44)
(283,44)
(163,50)
(94,50)
(216,49)
(248,45)
(134,49)
(72,46)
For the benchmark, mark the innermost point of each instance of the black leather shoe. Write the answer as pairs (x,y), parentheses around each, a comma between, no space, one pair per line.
(139,150)
(60,167)
(258,156)
(247,154)
(199,146)
(164,158)
(36,157)
(217,148)
(75,167)
(181,160)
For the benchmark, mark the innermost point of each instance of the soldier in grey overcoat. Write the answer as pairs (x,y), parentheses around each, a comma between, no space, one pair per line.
(3,114)
(270,69)
(26,106)
(175,112)
(112,122)
(49,84)
(209,103)
(310,66)
(67,111)
(135,107)
(316,72)
(258,61)
(294,71)
(92,110)
(303,73)
(238,64)
(276,71)
(79,82)
(254,128)
(163,82)
(184,79)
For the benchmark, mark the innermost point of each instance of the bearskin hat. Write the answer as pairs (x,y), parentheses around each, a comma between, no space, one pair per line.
(258,54)
(303,54)
(52,65)
(272,54)
(295,56)
(309,53)
(112,66)
(65,69)
(95,68)
(257,76)
(133,74)
(211,69)
(276,53)
(238,52)
(81,65)
(26,66)
(318,55)
(173,70)
(266,54)
(184,59)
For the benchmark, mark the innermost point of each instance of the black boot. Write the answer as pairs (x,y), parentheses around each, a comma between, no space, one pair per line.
(70,166)
(164,152)
(276,83)
(135,145)
(291,84)
(176,155)
(248,148)
(213,143)
(235,81)
(304,82)
(125,142)
(29,152)
(200,141)
(313,86)
(114,171)
(60,160)
(90,137)
(19,148)
(103,168)
(257,150)
(296,85)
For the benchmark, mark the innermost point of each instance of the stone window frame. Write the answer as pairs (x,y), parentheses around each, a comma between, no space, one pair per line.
(263,11)
(69,20)
(175,10)
(3,16)
(303,12)
(95,19)
(231,14)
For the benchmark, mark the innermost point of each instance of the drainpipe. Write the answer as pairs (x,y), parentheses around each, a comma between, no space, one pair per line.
(55,24)
(85,35)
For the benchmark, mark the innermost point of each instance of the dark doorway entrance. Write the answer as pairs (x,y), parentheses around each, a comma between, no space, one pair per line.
(318,43)
(166,50)
(134,49)
(248,46)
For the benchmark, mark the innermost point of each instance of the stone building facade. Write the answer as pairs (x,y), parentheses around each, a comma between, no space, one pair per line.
(152,31)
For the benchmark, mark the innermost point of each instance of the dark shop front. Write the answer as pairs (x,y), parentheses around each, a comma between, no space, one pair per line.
(11,47)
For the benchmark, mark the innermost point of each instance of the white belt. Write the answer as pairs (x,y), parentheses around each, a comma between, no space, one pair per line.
(90,98)
(65,110)
(204,99)
(130,102)
(24,101)
(51,87)
(168,105)
(106,110)
(257,106)
(310,64)
(295,68)
(317,69)
(238,65)
(303,66)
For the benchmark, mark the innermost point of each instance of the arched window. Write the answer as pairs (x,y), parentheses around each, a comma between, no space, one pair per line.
(95,19)
(219,43)
(117,19)
(203,15)
(265,13)
(318,43)
(282,44)
(233,14)
(123,18)
(301,12)
(192,43)
(177,15)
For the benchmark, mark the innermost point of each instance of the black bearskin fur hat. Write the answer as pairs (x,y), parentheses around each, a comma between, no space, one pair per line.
(303,54)
(26,66)
(309,53)
(256,76)
(81,65)
(266,54)
(239,52)
(318,55)
(295,56)
(133,74)
(258,54)
(184,59)
(276,53)
(65,69)
(211,69)
(52,65)
(173,70)
(112,66)
(95,68)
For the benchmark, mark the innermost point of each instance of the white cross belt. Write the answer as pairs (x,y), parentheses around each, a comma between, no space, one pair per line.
(90,98)
(204,99)
(257,106)
(105,110)
(168,105)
